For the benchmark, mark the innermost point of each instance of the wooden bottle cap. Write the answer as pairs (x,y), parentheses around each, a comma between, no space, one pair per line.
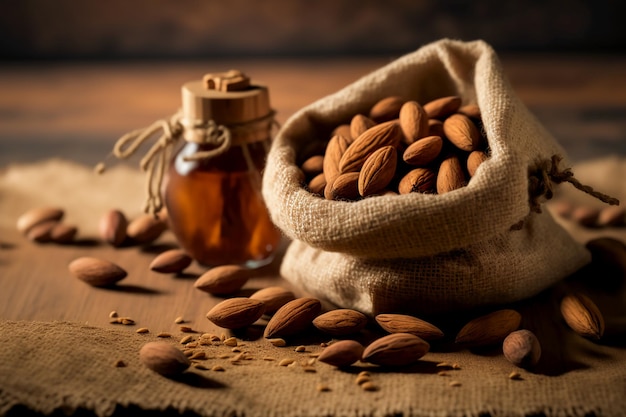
(228,98)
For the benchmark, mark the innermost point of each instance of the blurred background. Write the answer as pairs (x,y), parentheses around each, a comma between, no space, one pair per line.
(74,75)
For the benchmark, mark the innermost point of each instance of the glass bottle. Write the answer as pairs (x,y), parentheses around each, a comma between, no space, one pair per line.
(213,189)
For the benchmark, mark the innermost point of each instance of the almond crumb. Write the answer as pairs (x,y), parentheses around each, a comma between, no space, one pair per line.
(218,368)
(119,363)
(179,320)
(515,375)
(322,387)
(142,330)
(164,334)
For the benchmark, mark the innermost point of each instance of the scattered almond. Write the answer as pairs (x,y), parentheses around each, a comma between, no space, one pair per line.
(293,317)
(163,358)
(36,216)
(401,323)
(223,280)
(273,297)
(582,315)
(397,349)
(342,353)
(145,229)
(235,313)
(112,227)
(96,272)
(341,322)
(171,261)
(489,329)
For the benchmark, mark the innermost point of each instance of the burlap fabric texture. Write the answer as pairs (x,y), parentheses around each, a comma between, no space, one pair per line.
(424,253)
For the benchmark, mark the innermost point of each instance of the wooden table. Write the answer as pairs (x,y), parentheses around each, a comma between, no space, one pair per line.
(75,112)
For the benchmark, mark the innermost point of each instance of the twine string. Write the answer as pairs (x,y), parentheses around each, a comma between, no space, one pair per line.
(541,184)
(156,159)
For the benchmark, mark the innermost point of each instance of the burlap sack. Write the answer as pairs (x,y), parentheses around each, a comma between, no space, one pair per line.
(419,253)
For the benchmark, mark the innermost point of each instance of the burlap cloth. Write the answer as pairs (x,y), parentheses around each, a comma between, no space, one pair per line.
(67,367)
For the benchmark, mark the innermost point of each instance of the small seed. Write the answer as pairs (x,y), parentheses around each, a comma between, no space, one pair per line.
(443,373)
(268,358)
(186,329)
(308,368)
(192,345)
(200,366)
(198,355)
(314,354)
(456,366)
(116,321)
(224,356)
(444,365)
(311,361)
(364,373)
(235,350)
(278,342)
(164,334)
(218,368)
(179,320)
(361,379)
(369,386)
(186,339)
(322,388)
(223,337)
(286,362)
(455,384)
(215,338)
(119,363)
(128,321)
(188,353)
(143,330)
(113,314)
(231,341)
(300,349)
(515,375)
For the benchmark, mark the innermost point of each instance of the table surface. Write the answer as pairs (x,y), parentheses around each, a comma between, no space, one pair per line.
(76,111)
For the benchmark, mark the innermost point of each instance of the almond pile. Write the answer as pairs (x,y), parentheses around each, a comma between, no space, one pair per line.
(399,147)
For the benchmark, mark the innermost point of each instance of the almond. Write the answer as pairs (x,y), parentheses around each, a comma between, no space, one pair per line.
(235,313)
(384,134)
(273,298)
(420,180)
(435,128)
(612,216)
(36,216)
(359,124)
(450,176)
(223,279)
(402,323)
(582,315)
(462,132)
(378,171)
(423,151)
(317,185)
(163,358)
(112,227)
(489,329)
(585,216)
(442,107)
(171,261)
(470,110)
(313,166)
(345,187)
(145,229)
(386,109)
(96,272)
(522,348)
(413,121)
(334,151)
(474,159)
(342,353)
(41,232)
(341,322)
(397,349)
(293,317)
(63,233)
(343,130)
